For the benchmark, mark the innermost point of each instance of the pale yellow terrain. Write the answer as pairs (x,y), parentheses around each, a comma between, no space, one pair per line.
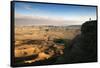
(24,34)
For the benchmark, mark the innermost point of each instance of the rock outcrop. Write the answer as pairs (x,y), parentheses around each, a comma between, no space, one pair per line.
(83,48)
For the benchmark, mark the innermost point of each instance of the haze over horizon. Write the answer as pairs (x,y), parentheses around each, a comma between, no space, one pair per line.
(52,14)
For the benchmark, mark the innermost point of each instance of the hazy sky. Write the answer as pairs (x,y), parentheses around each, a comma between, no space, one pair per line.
(52,14)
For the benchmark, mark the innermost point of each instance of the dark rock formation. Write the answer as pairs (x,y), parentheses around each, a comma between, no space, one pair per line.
(83,48)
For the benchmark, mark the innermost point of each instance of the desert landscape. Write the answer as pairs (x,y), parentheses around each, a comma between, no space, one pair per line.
(49,34)
(36,43)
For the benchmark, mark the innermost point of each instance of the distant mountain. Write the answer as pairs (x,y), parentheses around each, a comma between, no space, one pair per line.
(74,27)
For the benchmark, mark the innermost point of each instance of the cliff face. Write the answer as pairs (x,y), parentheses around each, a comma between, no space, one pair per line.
(83,48)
